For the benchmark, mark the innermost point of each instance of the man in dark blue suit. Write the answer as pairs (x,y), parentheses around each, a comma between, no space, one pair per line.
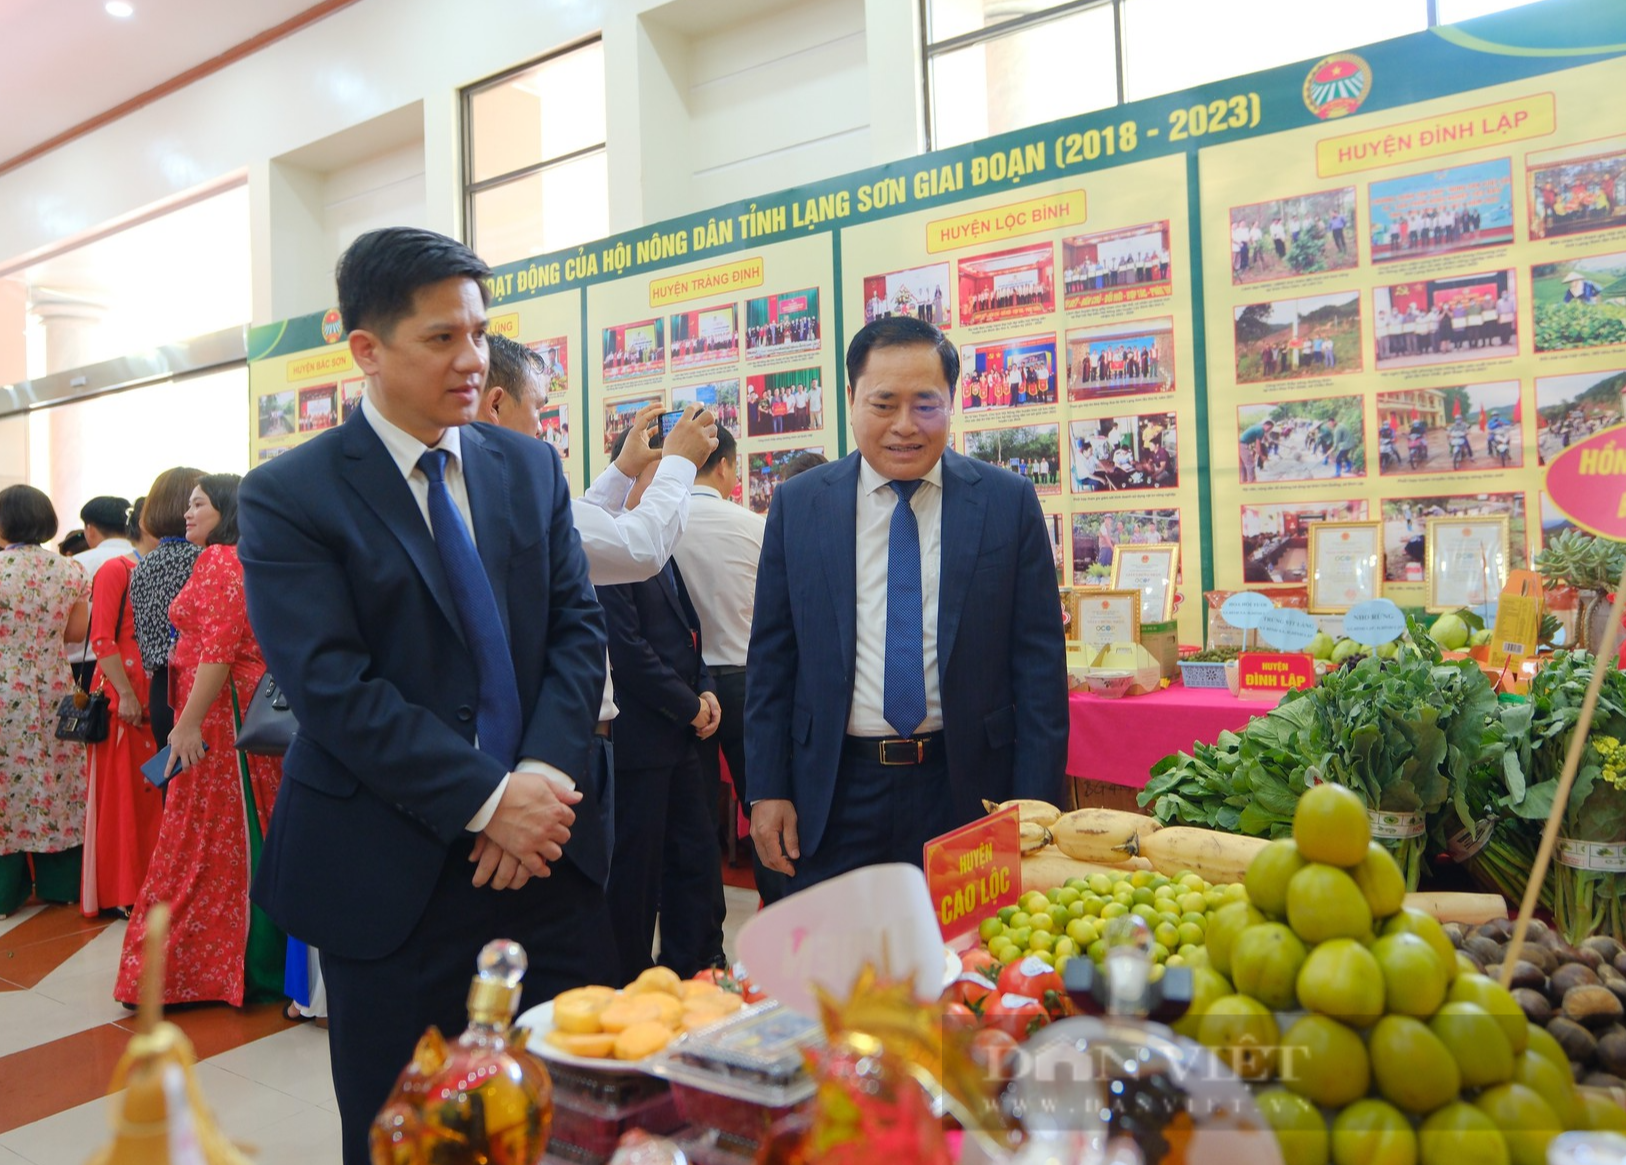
(907,657)
(666,859)
(422,598)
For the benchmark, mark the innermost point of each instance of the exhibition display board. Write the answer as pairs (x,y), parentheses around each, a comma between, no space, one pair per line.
(1386,285)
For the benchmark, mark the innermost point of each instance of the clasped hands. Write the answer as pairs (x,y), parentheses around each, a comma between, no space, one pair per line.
(710,716)
(526,833)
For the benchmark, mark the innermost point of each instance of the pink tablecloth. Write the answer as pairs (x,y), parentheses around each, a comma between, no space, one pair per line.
(1120,740)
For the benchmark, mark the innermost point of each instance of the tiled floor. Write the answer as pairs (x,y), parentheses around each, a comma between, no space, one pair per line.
(61,1034)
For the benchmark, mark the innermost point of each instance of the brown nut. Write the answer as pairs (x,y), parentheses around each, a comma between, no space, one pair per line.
(1611,1054)
(1577,1042)
(1454,932)
(1586,957)
(1620,962)
(1573,975)
(1603,1080)
(1536,1008)
(1608,949)
(1540,956)
(1497,929)
(1528,975)
(1592,1006)
(1485,950)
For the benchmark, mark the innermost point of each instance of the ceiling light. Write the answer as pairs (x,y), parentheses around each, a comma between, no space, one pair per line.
(119,8)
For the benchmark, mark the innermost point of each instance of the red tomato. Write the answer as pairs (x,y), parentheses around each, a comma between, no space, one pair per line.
(1031,977)
(978,959)
(1018,1016)
(972,990)
(993,1051)
(718,976)
(958,1012)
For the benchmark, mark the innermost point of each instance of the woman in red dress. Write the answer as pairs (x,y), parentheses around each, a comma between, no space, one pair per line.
(220,947)
(123,809)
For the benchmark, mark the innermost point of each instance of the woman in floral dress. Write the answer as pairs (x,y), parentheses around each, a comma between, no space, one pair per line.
(43,600)
(220,947)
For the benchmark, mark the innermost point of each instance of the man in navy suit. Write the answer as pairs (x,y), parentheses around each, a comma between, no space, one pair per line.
(907,657)
(666,857)
(422,598)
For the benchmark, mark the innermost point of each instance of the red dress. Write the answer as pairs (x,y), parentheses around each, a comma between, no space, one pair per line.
(123,809)
(215,814)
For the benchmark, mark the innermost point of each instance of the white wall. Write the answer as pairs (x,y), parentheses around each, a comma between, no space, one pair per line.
(695,74)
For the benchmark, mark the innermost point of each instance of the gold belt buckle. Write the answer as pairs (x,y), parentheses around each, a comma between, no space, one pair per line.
(920,751)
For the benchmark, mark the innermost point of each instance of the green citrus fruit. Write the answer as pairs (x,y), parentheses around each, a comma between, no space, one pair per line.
(1556,1085)
(1380,879)
(1414,1070)
(1494,998)
(1413,979)
(1331,826)
(1243,1033)
(1342,979)
(1459,1134)
(1268,874)
(1265,963)
(1300,1131)
(1528,1122)
(1325,1062)
(1373,1132)
(1324,903)
(1543,1043)
(1477,1043)
(1410,920)
(1207,985)
(1229,921)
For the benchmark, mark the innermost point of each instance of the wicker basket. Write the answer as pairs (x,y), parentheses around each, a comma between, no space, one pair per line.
(1202,675)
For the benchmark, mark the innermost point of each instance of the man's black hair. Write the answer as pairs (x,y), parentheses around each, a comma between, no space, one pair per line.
(107,513)
(898,332)
(725,450)
(380,273)
(512,363)
(132,531)
(221,490)
(801,463)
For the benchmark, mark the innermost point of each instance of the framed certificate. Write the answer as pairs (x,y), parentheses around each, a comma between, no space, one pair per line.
(1100,617)
(1151,570)
(1468,561)
(1346,565)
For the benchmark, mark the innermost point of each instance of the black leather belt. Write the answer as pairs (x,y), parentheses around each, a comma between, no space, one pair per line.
(726,669)
(893,750)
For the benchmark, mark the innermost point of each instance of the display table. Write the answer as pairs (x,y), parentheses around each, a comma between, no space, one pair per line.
(1118,741)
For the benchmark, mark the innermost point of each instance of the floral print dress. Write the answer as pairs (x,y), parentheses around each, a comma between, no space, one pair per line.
(219,946)
(42,779)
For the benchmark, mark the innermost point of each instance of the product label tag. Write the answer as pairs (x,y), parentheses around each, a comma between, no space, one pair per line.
(1605,857)
(1395,826)
(1518,619)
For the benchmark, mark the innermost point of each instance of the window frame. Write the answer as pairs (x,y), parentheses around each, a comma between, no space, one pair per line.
(466,97)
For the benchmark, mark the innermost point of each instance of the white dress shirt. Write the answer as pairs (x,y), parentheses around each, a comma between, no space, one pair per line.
(405,449)
(718,558)
(628,546)
(104,551)
(876,501)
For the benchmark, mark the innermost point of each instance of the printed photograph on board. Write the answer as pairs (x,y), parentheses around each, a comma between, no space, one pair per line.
(1577,190)
(1291,339)
(618,414)
(1308,234)
(721,398)
(1276,537)
(276,414)
(1580,303)
(1572,408)
(1448,319)
(706,335)
(1459,426)
(318,408)
(556,427)
(777,325)
(783,402)
(767,471)
(1301,440)
(1108,454)
(1120,266)
(1135,358)
(1440,212)
(1053,526)
(555,363)
(634,350)
(350,394)
(1008,285)
(1029,451)
(1405,528)
(921,292)
(1096,536)
(1005,374)
(1554,521)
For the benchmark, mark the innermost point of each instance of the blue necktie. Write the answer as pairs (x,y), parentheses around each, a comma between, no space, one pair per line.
(903,700)
(497,716)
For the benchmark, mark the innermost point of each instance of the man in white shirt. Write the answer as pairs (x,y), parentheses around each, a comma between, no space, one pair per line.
(718,557)
(622,545)
(105,519)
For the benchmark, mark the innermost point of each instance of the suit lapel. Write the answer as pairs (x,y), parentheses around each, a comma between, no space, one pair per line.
(839,549)
(670,582)
(373,474)
(964,507)
(485,473)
